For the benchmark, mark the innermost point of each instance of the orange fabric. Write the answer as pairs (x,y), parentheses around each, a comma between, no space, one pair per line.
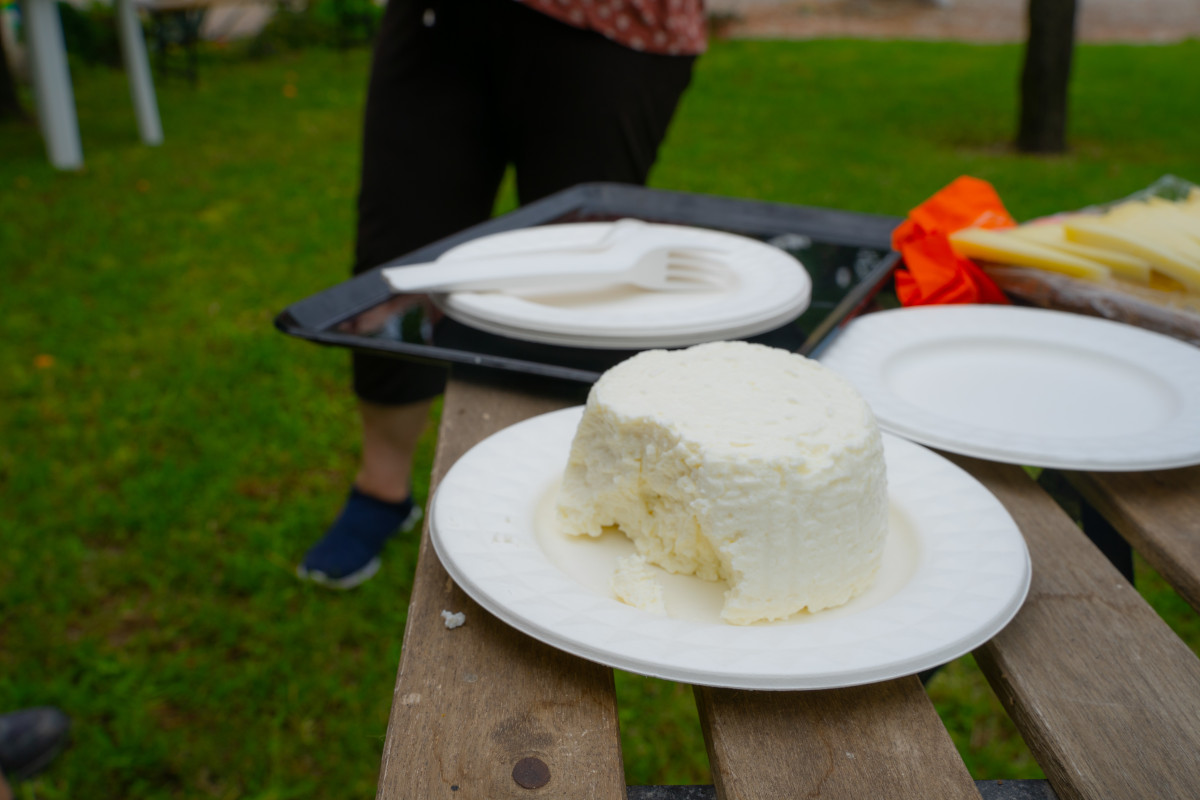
(932,272)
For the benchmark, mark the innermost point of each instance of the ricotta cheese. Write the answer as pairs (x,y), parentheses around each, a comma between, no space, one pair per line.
(454,619)
(737,462)
(634,583)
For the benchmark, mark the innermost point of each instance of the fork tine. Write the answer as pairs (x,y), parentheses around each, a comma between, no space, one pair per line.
(698,253)
(684,285)
(711,270)
(685,279)
(698,249)
(706,269)
(681,287)
(688,257)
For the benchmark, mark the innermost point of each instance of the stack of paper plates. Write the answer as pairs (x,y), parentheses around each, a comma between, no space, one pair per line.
(769,288)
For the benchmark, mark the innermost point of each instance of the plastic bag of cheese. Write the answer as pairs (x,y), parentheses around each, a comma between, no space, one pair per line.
(1175,314)
(1136,259)
(1151,238)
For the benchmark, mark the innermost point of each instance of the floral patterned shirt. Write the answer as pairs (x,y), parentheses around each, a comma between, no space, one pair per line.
(670,27)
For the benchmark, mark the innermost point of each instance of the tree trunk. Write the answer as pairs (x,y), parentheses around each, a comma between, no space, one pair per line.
(1045,78)
(10,103)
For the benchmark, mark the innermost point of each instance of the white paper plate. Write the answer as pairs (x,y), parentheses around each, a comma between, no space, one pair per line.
(956,570)
(627,342)
(1027,386)
(770,289)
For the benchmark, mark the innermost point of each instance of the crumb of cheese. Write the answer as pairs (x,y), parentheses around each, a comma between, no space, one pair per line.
(635,584)
(454,620)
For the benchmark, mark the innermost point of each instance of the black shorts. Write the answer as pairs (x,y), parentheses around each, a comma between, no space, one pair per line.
(461,89)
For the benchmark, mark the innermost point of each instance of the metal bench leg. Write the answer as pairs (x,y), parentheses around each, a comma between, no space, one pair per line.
(1110,542)
(1095,527)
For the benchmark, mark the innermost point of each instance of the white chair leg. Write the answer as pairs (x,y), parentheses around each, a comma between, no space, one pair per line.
(137,67)
(53,95)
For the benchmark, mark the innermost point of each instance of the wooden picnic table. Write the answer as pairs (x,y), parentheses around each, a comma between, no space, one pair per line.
(1105,694)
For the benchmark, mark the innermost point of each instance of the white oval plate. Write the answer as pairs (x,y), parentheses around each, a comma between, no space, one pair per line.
(956,570)
(1027,386)
(631,342)
(771,288)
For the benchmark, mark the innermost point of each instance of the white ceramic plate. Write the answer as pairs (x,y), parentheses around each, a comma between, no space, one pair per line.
(955,572)
(770,288)
(1027,386)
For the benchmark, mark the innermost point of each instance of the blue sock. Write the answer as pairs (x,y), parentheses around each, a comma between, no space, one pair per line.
(348,554)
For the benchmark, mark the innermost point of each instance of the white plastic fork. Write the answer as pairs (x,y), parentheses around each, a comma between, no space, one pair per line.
(656,268)
(619,231)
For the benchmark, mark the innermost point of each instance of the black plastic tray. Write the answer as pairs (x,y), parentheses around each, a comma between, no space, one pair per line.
(847,254)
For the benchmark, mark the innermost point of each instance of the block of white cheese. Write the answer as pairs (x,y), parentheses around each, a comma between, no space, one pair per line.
(736,462)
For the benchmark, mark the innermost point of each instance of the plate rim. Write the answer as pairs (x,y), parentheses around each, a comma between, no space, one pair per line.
(620,342)
(490,597)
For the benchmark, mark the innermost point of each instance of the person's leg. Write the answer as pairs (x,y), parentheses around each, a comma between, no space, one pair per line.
(389,435)
(581,108)
(431,167)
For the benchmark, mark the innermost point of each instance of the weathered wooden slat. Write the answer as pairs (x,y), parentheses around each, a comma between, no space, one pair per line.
(1159,514)
(880,740)
(990,790)
(483,710)
(1106,696)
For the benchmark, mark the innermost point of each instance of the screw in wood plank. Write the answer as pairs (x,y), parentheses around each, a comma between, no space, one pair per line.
(531,773)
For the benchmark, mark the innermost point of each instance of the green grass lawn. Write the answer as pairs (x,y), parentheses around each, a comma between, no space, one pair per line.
(166,456)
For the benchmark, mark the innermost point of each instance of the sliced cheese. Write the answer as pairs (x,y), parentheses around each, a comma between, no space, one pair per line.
(1000,248)
(1151,222)
(1052,234)
(1191,203)
(1174,215)
(1162,283)
(1100,232)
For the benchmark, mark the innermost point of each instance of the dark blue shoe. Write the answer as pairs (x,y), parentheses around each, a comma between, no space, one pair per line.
(348,554)
(30,739)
